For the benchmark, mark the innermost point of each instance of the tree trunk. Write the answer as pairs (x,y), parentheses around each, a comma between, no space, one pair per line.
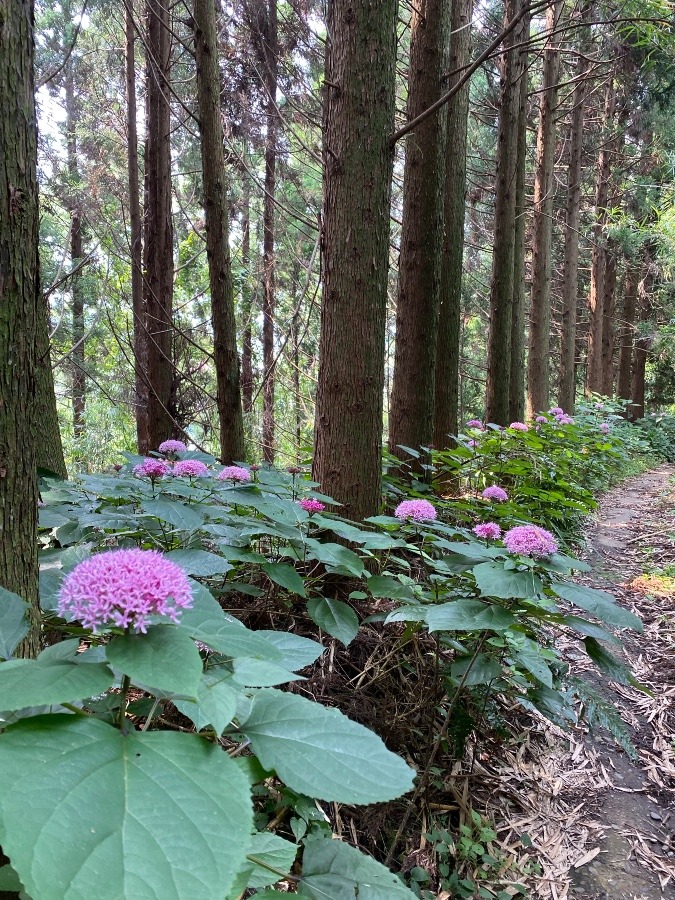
(158,244)
(136,243)
(225,354)
(359,121)
(570,286)
(608,307)
(411,415)
(540,312)
(19,310)
(246,300)
(501,284)
(447,353)
(644,342)
(626,333)
(598,258)
(49,450)
(516,377)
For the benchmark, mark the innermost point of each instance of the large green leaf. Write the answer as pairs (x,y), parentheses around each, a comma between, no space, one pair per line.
(493,580)
(261,673)
(286,577)
(165,658)
(90,814)
(297,652)
(468,615)
(591,629)
(13,622)
(31,682)
(609,664)
(216,701)
(390,588)
(335,617)
(332,870)
(274,852)
(599,603)
(320,752)
(199,562)
(336,557)
(180,515)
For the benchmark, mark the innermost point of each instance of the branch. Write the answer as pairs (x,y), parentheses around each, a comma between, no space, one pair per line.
(47,78)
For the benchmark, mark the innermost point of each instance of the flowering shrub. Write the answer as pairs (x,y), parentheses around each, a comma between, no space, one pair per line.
(487,530)
(494,492)
(530,540)
(415,509)
(193,468)
(152,468)
(234,473)
(172,447)
(518,426)
(310,505)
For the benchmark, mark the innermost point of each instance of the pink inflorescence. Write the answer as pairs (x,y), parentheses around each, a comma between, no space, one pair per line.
(541,420)
(474,423)
(530,540)
(234,473)
(519,426)
(494,492)
(488,530)
(311,505)
(123,588)
(557,411)
(152,468)
(194,468)
(472,443)
(564,419)
(415,509)
(172,447)
(604,427)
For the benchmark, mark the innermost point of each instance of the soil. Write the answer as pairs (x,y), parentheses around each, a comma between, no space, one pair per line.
(634,536)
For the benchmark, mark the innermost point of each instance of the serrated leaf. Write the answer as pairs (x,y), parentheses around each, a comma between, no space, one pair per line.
(493,580)
(165,658)
(331,869)
(335,617)
(199,562)
(468,615)
(599,603)
(274,851)
(390,588)
(335,557)
(50,585)
(13,622)
(320,752)
(286,577)
(180,515)
(153,816)
(534,663)
(216,702)
(297,651)
(261,673)
(28,682)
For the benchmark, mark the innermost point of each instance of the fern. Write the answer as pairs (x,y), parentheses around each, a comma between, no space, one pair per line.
(600,712)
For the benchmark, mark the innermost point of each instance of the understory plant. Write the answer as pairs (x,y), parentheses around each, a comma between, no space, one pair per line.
(159,747)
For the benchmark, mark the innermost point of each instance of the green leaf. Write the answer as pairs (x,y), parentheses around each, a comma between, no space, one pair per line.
(272,850)
(50,585)
(47,518)
(165,658)
(216,701)
(535,663)
(260,673)
(29,682)
(331,869)
(390,588)
(297,652)
(335,617)
(286,577)
(199,562)
(493,580)
(608,663)
(13,622)
(599,603)
(320,752)
(591,629)
(483,669)
(180,515)
(9,880)
(335,557)
(90,814)
(468,615)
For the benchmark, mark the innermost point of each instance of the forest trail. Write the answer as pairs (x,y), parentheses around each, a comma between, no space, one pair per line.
(629,824)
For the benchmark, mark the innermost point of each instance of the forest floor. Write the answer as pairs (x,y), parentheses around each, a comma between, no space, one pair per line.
(602,825)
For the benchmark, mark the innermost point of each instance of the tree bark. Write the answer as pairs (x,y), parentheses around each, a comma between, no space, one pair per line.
(19,310)
(246,300)
(626,333)
(447,353)
(411,415)
(158,231)
(359,118)
(136,242)
(608,308)
(570,278)
(540,311)
(501,284)
(225,353)
(643,342)
(517,374)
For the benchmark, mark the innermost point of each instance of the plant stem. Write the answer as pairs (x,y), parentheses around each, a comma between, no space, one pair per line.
(126,684)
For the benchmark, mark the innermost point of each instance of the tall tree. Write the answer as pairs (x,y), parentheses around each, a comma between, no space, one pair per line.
(608,313)
(358,155)
(501,285)
(627,330)
(225,354)
(19,305)
(447,354)
(411,413)
(158,263)
(540,310)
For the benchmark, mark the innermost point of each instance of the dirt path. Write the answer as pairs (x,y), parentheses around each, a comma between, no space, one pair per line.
(631,821)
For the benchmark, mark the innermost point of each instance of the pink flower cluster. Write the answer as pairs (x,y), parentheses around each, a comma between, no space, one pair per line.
(604,427)
(557,411)
(564,419)
(541,420)
(519,426)
(193,468)
(123,588)
(234,473)
(530,540)
(172,447)
(474,423)
(311,505)
(415,509)
(494,492)
(488,530)
(152,468)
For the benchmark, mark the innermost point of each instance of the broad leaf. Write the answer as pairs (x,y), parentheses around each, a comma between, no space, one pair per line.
(13,622)
(390,588)
(297,652)
(335,557)
(331,869)
(468,615)
(481,670)
(493,580)
(29,682)
(180,515)
(535,663)
(335,617)
(273,851)
(608,663)
(599,603)
(286,577)
(591,629)
(165,658)
(261,673)
(216,701)
(199,562)
(320,752)
(153,816)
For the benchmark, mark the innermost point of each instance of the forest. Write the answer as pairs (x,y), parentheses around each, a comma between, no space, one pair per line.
(325,326)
